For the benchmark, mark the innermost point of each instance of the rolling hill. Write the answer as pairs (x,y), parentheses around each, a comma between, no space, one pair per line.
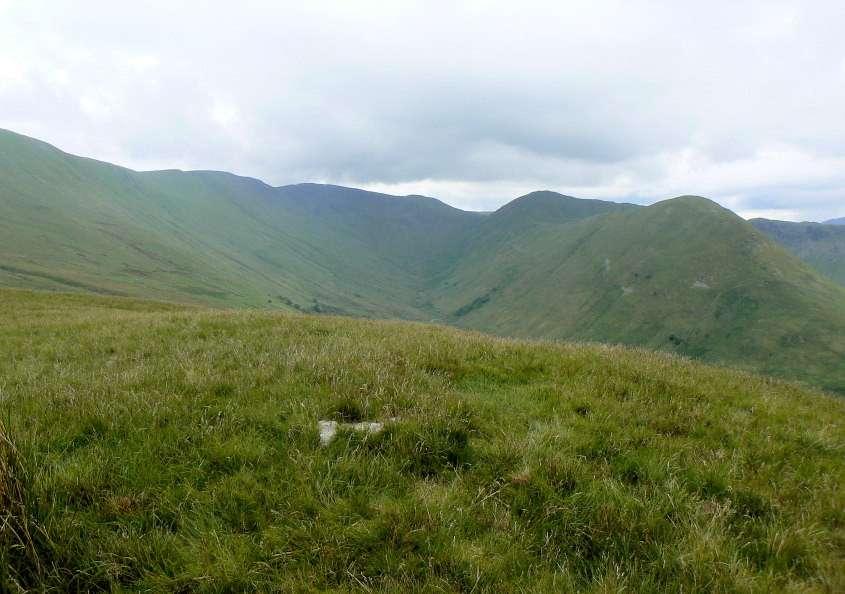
(683,275)
(655,277)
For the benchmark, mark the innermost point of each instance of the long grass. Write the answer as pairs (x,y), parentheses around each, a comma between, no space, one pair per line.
(147,447)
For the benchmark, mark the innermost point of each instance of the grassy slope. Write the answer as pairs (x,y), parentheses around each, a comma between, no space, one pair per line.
(80,223)
(205,236)
(534,268)
(822,246)
(414,234)
(632,277)
(162,447)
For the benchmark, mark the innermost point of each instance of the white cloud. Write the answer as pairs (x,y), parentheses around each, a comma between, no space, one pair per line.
(224,111)
(100,104)
(143,61)
(62,77)
(472,102)
(14,71)
(475,196)
(784,214)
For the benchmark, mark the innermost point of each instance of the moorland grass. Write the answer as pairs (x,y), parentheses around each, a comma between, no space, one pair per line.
(145,446)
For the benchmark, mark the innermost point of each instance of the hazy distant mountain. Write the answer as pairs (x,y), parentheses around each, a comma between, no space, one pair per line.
(839,221)
(820,245)
(683,275)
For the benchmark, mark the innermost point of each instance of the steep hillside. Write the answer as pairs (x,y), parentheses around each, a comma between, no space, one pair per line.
(211,237)
(154,447)
(822,246)
(413,233)
(684,275)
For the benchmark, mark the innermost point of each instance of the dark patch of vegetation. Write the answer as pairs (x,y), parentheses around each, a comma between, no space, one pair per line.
(322,308)
(475,304)
(288,302)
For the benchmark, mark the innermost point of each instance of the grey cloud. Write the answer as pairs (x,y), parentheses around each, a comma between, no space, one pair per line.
(614,100)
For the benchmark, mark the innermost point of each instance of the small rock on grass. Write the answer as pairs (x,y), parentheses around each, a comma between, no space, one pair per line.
(328,429)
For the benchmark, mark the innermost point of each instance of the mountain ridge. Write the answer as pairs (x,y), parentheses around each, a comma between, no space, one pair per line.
(543,266)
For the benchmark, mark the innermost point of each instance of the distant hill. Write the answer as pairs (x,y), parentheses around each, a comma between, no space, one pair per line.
(839,221)
(212,237)
(550,207)
(683,275)
(820,245)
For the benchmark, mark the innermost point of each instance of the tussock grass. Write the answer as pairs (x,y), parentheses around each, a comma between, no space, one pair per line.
(154,447)
(25,541)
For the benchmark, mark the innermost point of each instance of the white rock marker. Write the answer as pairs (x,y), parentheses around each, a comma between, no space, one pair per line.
(328,429)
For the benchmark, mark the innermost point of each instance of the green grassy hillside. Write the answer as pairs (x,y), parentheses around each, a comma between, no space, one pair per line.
(822,246)
(146,446)
(684,276)
(210,237)
(414,234)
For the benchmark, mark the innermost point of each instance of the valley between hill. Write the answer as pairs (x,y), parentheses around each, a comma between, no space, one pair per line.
(820,245)
(683,276)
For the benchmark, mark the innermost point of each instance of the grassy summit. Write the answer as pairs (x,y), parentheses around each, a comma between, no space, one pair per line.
(154,446)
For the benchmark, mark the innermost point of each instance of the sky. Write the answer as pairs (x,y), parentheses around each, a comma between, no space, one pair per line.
(474,103)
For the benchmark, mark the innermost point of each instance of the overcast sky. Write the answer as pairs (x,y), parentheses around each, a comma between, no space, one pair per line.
(474,103)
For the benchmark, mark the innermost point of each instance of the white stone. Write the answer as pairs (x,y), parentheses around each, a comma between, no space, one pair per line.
(328,429)
(375,428)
